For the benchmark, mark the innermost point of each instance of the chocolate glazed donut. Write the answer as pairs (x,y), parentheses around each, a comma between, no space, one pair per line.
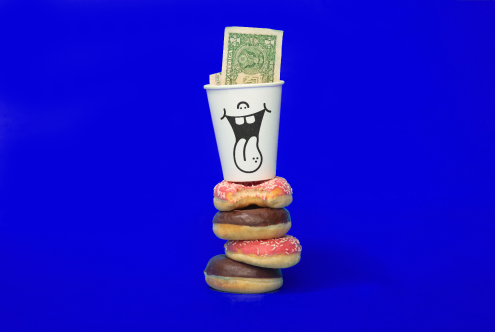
(247,154)
(225,274)
(252,223)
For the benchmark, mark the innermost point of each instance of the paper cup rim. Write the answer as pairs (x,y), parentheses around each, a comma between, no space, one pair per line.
(241,86)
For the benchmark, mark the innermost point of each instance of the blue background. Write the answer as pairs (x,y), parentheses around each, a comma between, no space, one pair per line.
(108,163)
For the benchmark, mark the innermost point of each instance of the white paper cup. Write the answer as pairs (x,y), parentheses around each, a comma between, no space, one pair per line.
(246,119)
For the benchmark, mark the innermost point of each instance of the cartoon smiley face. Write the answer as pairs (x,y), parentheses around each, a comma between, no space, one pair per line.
(247,155)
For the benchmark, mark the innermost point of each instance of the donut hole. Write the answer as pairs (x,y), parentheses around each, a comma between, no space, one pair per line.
(251,183)
(251,207)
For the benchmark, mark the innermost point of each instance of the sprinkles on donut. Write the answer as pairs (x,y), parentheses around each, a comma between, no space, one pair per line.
(276,253)
(275,193)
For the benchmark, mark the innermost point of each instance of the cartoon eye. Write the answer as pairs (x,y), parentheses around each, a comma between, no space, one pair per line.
(242,105)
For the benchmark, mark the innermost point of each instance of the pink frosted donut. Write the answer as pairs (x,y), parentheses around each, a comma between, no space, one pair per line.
(276,253)
(275,193)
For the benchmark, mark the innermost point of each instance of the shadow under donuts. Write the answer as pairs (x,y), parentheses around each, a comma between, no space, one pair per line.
(330,266)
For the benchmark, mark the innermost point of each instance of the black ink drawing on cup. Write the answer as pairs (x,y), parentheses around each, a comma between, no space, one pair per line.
(247,154)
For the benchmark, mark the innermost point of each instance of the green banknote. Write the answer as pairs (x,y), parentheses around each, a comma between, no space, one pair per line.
(251,55)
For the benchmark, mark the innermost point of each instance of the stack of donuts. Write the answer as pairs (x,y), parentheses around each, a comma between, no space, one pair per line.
(253,219)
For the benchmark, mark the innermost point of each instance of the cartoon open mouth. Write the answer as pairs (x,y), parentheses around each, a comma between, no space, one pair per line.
(247,155)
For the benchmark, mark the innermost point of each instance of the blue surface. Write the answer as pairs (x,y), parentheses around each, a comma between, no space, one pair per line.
(108,162)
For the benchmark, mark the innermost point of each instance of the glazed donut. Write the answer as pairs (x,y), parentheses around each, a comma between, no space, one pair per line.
(226,275)
(276,253)
(275,193)
(251,223)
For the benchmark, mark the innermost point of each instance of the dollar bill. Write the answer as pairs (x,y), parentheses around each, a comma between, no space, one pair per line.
(215,79)
(251,55)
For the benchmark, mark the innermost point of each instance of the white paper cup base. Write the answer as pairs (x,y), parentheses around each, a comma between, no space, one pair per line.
(246,120)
